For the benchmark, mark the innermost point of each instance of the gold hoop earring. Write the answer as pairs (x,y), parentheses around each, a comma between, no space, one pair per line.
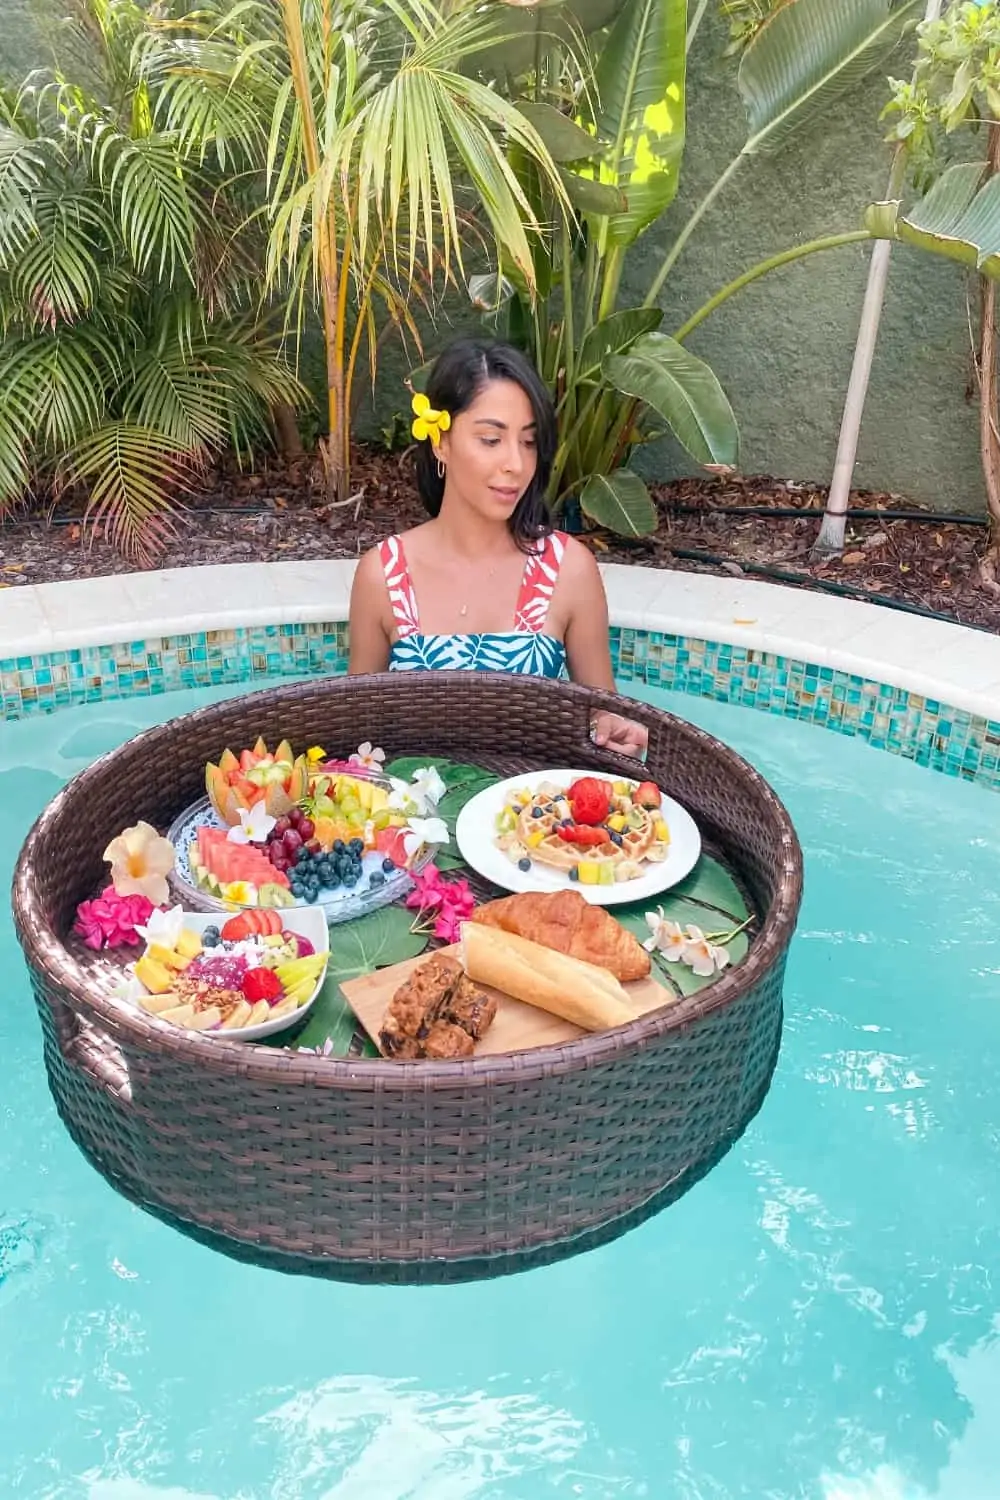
(440,468)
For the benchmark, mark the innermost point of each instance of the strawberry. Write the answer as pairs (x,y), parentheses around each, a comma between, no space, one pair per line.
(582,834)
(236,929)
(262,984)
(647,794)
(590,799)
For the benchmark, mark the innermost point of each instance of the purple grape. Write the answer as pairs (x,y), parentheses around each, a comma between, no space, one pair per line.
(306,828)
(292,841)
(280,829)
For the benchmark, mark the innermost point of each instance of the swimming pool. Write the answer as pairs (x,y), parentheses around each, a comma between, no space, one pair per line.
(816,1318)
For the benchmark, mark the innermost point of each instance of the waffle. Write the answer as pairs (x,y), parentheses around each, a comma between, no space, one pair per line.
(560,855)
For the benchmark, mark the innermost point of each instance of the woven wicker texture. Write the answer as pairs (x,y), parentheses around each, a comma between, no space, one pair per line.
(424,1171)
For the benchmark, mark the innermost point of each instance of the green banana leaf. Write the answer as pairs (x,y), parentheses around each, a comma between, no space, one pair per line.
(620,503)
(614,335)
(683,390)
(565,140)
(524,30)
(641,86)
(958,219)
(807,55)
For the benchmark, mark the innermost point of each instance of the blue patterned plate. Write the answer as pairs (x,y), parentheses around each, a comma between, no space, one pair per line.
(340,905)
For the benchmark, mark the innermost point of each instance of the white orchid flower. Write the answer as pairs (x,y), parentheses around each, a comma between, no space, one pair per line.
(666,937)
(703,957)
(163,927)
(427,787)
(401,797)
(254,826)
(127,988)
(369,755)
(421,831)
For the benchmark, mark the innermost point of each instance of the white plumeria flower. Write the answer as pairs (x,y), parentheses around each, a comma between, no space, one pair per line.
(427,787)
(372,756)
(701,956)
(400,797)
(254,826)
(421,831)
(666,937)
(163,927)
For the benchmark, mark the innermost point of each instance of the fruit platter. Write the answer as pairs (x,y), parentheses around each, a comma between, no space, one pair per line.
(614,840)
(279,830)
(245,978)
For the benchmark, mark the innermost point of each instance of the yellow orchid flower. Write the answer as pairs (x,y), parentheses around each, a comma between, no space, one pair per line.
(428,423)
(140,861)
(315,754)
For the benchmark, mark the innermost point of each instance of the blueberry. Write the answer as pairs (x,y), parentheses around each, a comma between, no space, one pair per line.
(338,846)
(312,895)
(211,937)
(536,812)
(301,855)
(357,846)
(376,878)
(297,889)
(574,873)
(388,867)
(524,864)
(616,838)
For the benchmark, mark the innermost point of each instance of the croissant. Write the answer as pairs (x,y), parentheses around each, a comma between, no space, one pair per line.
(565,922)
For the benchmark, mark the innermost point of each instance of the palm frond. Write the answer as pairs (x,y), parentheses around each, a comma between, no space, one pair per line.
(58,274)
(57,381)
(133,476)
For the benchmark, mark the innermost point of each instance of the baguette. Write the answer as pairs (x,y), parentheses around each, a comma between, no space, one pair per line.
(579,992)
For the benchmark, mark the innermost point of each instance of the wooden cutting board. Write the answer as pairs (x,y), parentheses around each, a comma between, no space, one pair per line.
(516,1026)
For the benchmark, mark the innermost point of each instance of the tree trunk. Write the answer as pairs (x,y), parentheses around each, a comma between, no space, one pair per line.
(286,431)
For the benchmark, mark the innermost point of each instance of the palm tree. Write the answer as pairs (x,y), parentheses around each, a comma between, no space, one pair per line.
(133,343)
(377,156)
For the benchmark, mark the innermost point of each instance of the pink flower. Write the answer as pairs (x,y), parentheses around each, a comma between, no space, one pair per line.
(449,901)
(110,920)
(428,890)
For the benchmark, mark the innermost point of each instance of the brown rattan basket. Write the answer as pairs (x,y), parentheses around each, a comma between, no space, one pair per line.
(372,1170)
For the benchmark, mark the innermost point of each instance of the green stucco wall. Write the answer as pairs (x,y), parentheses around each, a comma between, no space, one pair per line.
(782,348)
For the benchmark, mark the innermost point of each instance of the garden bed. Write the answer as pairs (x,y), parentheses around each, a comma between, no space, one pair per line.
(278,514)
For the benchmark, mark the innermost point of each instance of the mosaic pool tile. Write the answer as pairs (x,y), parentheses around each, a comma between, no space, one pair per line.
(921,729)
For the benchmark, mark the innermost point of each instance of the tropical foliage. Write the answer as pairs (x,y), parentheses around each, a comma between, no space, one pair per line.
(376,156)
(955,91)
(134,346)
(619,378)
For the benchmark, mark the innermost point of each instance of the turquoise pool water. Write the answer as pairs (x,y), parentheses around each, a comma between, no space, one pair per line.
(818,1318)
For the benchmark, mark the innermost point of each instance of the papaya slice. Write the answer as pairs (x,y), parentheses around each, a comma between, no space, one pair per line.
(228,762)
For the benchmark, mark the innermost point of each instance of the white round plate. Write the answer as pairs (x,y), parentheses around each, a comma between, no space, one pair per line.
(309,922)
(476,828)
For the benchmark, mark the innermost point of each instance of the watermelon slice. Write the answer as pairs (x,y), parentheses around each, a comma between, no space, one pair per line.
(389,841)
(228,861)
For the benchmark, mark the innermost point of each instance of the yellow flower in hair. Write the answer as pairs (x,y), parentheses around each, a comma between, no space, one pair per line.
(427,422)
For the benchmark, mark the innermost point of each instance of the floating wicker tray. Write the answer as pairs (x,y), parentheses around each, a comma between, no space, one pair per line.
(380,1171)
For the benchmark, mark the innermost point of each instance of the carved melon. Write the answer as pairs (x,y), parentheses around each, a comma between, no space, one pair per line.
(228,762)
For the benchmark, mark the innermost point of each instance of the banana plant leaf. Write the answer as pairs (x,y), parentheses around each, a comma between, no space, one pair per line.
(959,219)
(641,86)
(807,55)
(620,503)
(683,390)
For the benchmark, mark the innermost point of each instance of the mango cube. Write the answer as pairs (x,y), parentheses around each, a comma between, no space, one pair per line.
(167,957)
(662,832)
(189,943)
(589,872)
(155,976)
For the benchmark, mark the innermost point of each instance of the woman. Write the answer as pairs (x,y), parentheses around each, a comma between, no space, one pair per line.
(486,584)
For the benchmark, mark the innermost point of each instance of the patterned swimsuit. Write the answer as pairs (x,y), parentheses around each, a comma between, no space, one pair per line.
(525,649)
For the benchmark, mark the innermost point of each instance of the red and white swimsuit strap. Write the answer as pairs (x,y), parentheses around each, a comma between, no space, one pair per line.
(400,585)
(541,573)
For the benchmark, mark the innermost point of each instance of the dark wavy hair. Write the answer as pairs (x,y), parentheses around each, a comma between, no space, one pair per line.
(458,375)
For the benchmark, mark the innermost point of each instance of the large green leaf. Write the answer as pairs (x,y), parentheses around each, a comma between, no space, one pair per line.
(958,219)
(640,81)
(685,392)
(709,899)
(620,502)
(565,140)
(524,30)
(592,197)
(612,335)
(808,54)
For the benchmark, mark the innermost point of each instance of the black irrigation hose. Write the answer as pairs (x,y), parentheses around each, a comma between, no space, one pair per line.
(828,586)
(927,518)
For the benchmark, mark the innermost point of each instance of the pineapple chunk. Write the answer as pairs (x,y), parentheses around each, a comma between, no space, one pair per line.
(155,976)
(589,872)
(189,943)
(662,832)
(167,957)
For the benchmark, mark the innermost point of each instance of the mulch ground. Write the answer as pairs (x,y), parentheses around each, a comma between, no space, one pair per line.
(737,526)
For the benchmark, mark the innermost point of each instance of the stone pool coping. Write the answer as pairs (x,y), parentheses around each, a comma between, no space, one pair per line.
(923,688)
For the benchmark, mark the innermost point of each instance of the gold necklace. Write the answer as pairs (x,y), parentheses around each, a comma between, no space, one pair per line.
(465,608)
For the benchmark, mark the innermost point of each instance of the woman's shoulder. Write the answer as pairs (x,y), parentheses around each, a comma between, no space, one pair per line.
(577,562)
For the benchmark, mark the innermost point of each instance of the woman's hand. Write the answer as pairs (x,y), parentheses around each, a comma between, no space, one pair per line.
(623,735)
